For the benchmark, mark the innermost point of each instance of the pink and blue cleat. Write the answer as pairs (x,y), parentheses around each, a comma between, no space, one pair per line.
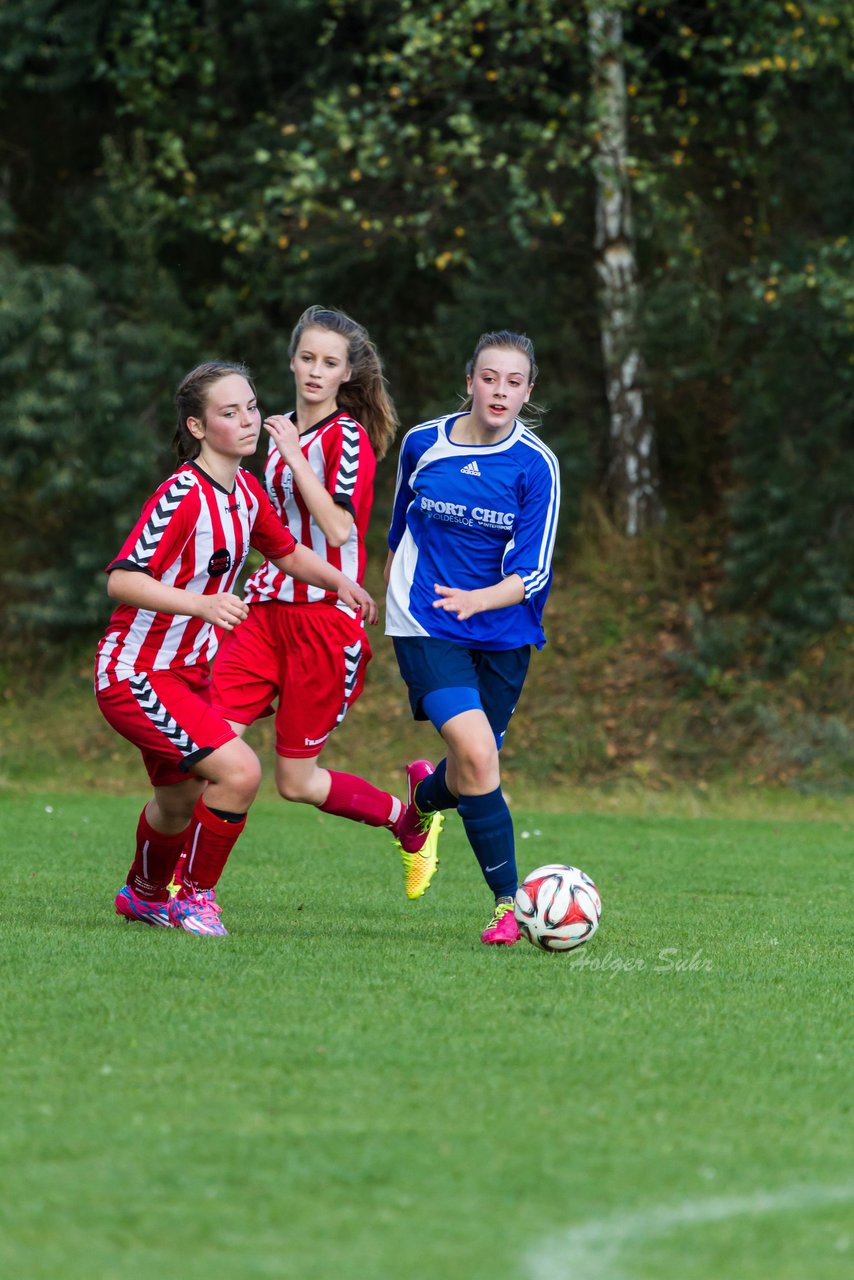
(197,913)
(133,907)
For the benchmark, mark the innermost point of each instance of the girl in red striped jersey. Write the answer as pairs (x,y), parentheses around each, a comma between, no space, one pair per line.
(301,645)
(173,581)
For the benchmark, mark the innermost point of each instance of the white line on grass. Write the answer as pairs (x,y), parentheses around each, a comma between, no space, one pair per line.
(592,1250)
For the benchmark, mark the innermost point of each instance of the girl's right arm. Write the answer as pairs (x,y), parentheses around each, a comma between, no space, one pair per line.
(141,591)
(465,604)
(335,521)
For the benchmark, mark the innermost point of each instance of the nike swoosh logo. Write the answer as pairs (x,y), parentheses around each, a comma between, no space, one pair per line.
(497,866)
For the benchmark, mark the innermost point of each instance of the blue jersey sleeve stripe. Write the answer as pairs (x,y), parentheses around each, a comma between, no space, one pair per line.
(550,530)
(538,578)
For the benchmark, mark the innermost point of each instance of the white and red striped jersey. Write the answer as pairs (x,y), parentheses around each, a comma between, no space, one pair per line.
(340,455)
(193,534)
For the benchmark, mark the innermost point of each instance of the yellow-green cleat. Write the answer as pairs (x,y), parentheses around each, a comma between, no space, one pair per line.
(420,865)
(418,835)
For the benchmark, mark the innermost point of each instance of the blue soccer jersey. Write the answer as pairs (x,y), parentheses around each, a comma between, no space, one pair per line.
(467,516)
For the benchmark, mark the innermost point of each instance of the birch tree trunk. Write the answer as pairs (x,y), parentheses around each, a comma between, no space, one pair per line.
(633,483)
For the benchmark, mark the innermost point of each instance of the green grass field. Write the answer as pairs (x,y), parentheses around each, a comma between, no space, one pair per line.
(352,1086)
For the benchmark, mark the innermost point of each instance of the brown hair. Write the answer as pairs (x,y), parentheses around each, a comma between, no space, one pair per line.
(365,396)
(191,400)
(505,340)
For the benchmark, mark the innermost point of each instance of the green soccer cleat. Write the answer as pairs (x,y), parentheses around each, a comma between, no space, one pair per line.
(420,865)
(417,835)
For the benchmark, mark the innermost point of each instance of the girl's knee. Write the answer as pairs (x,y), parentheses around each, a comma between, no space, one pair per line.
(291,789)
(248,777)
(476,769)
(236,769)
(480,760)
(300,784)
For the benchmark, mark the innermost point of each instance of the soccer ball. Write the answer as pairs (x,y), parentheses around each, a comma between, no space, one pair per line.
(557,908)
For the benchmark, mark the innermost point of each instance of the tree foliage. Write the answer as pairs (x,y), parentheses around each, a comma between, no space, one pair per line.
(83,379)
(792,544)
(180,179)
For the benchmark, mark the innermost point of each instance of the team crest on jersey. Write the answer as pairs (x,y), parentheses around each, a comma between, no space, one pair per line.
(280,488)
(219,563)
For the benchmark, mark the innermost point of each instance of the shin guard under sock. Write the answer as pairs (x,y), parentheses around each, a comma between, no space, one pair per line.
(354,798)
(489,828)
(155,859)
(209,842)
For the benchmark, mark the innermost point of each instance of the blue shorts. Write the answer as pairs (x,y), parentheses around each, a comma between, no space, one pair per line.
(445,679)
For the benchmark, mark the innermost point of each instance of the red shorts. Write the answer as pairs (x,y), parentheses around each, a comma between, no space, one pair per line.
(311,656)
(168,715)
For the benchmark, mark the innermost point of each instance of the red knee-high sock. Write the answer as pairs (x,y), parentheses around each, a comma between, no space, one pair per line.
(156,855)
(209,842)
(354,798)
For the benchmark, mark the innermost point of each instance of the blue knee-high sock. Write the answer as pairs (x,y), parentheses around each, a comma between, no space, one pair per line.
(489,828)
(432,792)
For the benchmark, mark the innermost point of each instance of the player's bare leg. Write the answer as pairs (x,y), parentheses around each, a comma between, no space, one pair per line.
(302,780)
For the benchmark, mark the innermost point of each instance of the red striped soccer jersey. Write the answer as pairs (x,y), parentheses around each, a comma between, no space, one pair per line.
(340,455)
(192,534)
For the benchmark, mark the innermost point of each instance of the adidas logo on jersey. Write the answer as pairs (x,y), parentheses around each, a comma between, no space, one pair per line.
(470,469)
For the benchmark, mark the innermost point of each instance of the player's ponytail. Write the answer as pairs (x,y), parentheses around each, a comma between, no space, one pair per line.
(191,400)
(505,340)
(365,396)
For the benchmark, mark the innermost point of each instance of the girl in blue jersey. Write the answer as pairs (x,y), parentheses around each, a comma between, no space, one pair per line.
(469,569)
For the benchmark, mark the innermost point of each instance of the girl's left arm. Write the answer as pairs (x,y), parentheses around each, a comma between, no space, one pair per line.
(306,566)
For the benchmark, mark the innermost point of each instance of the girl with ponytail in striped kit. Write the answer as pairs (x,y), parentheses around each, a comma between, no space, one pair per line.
(304,648)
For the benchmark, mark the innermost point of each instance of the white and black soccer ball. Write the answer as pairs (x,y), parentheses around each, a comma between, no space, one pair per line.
(558,908)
